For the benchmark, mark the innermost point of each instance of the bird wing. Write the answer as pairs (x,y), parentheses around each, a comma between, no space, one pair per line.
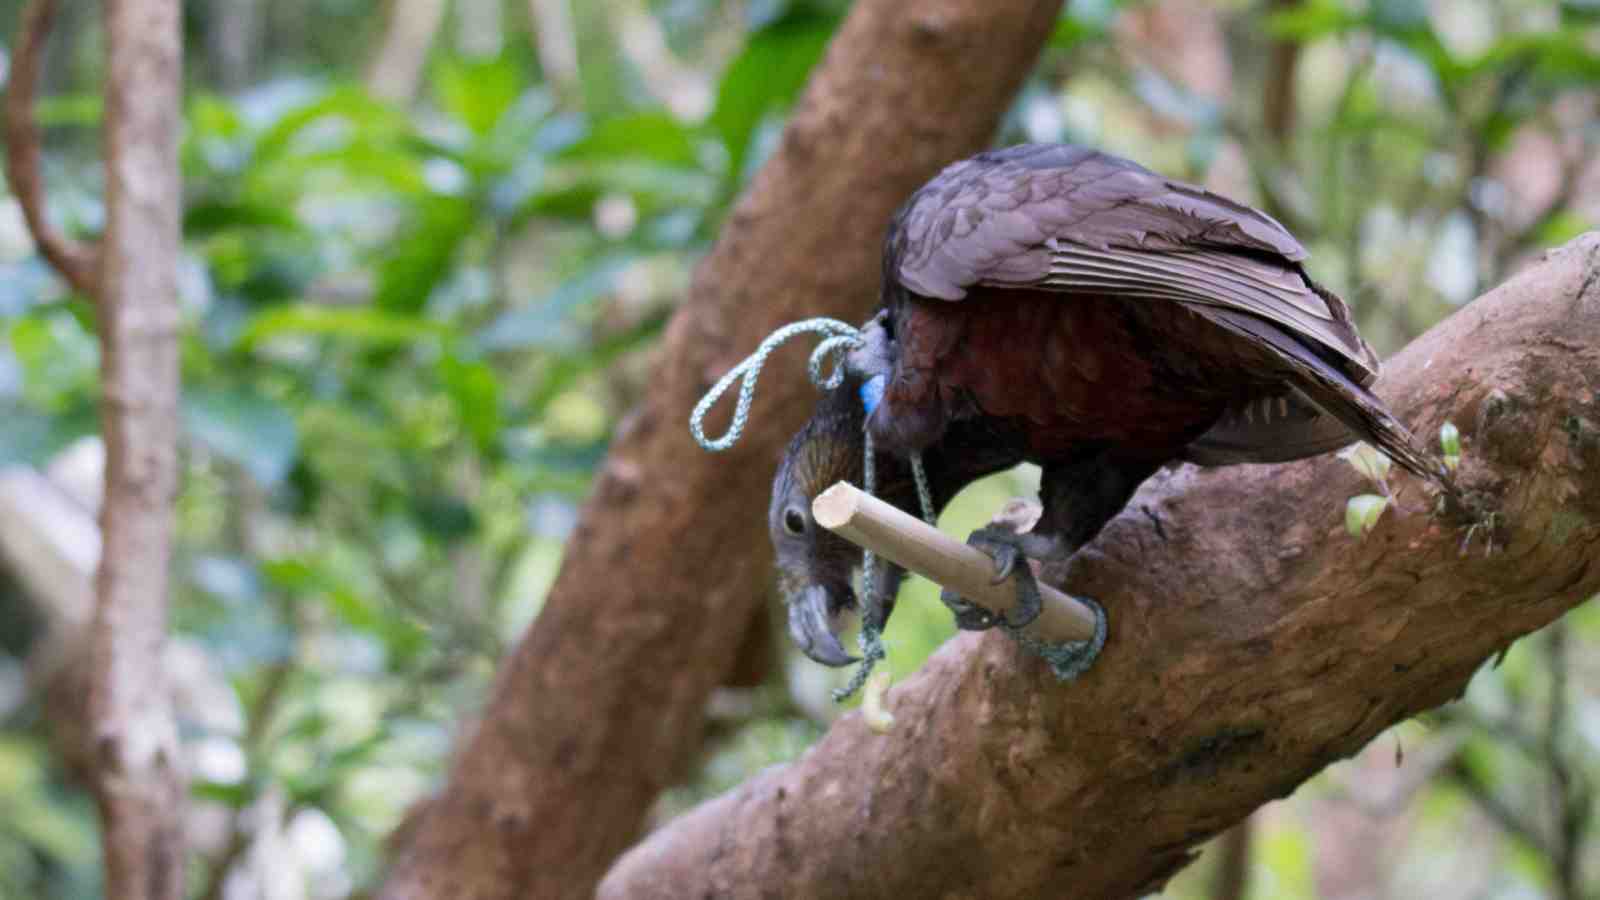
(1074,220)
(1269,427)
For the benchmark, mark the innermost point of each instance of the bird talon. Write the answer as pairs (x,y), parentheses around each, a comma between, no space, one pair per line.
(1029,605)
(968,616)
(1001,546)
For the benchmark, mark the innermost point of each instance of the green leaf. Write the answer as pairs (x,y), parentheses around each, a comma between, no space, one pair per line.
(68,110)
(1287,855)
(59,357)
(1313,19)
(444,517)
(546,324)
(653,135)
(245,426)
(1450,445)
(235,796)
(33,437)
(1368,460)
(354,106)
(1362,512)
(422,256)
(211,116)
(364,325)
(368,162)
(569,189)
(478,92)
(1560,228)
(400,635)
(475,390)
(204,219)
(766,76)
(1085,22)
(1070,33)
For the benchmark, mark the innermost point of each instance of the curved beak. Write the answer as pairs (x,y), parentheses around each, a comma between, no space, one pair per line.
(813,620)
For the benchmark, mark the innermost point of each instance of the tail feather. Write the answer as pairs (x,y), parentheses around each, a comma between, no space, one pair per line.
(1337,394)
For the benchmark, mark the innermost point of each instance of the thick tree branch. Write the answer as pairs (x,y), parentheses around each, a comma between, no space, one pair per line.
(1252,644)
(600,705)
(73,259)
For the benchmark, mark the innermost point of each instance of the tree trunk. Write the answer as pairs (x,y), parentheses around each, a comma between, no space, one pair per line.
(601,704)
(397,68)
(1253,642)
(138,783)
(131,750)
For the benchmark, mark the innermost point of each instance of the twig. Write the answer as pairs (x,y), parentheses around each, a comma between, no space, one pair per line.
(1232,879)
(1510,822)
(255,731)
(1278,95)
(874,525)
(77,262)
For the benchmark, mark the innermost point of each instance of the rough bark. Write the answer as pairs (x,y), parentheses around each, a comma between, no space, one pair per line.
(1252,643)
(138,782)
(601,704)
(133,741)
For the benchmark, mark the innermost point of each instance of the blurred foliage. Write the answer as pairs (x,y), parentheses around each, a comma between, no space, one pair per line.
(412,327)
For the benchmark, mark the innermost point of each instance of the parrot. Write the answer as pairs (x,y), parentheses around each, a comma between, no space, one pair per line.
(1058,305)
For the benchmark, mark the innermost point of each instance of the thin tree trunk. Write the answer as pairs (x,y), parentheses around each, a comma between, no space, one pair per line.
(556,41)
(1232,879)
(138,782)
(396,70)
(233,41)
(479,28)
(132,745)
(1253,642)
(601,704)
(1278,91)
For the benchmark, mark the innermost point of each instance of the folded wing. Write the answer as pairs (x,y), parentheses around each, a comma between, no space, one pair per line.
(1076,221)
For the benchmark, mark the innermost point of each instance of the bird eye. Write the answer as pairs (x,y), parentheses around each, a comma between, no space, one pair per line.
(794,521)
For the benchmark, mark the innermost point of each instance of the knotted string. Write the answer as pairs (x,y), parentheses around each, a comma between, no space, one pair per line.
(840,338)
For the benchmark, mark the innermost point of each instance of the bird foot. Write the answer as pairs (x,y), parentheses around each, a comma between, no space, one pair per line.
(1006,548)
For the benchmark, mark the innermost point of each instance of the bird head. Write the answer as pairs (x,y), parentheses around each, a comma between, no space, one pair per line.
(814,564)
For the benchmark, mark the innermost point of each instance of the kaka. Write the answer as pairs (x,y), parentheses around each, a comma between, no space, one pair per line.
(1053,304)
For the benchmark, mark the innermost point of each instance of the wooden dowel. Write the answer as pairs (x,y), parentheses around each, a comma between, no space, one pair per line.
(868,522)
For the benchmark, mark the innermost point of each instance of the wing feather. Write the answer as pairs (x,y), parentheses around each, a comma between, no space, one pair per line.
(1074,220)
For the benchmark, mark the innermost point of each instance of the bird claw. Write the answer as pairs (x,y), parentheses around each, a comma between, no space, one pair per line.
(1003,547)
(968,616)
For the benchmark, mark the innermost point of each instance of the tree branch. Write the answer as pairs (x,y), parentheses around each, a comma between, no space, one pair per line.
(138,778)
(1252,644)
(76,261)
(1278,90)
(600,706)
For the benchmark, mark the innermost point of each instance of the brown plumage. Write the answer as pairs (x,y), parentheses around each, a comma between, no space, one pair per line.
(1076,310)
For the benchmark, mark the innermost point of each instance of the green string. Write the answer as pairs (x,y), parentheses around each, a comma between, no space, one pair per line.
(841,337)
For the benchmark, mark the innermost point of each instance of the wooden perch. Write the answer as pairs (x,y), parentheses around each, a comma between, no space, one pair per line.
(1252,644)
(872,524)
